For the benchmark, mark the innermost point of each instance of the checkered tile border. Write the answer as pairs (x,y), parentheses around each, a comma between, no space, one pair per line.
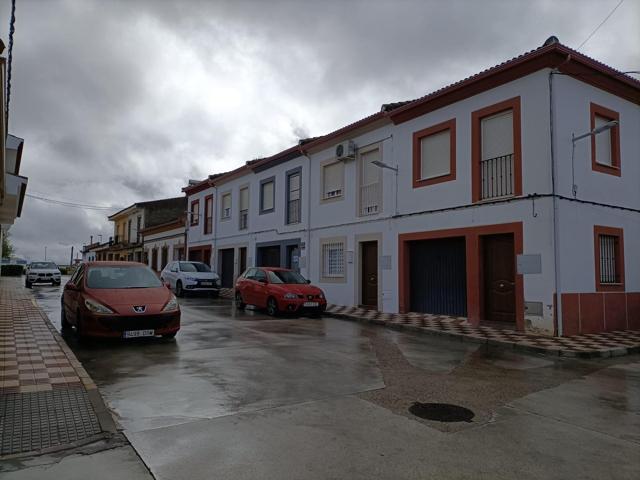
(600,344)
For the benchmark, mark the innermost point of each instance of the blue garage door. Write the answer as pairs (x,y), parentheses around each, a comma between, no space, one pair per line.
(438,277)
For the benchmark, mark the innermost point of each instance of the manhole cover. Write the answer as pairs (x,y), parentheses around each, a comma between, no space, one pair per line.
(441,412)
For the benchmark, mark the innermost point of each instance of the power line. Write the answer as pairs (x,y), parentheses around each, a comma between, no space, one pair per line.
(601,23)
(67,203)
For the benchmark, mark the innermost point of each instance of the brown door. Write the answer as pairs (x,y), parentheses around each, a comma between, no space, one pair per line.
(499,278)
(369,280)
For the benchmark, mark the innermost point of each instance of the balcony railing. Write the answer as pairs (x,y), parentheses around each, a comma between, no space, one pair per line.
(293,211)
(244,219)
(370,199)
(497,177)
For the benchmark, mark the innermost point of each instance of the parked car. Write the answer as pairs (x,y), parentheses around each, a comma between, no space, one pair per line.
(41,272)
(188,276)
(278,290)
(120,300)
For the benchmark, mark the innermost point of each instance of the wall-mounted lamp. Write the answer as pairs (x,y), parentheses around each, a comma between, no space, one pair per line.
(602,128)
(380,164)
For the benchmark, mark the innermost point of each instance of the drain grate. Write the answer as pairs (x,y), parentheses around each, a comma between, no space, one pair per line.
(441,412)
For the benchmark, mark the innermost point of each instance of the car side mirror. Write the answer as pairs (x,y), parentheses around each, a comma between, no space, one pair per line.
(308,281)
(263,280)
(71,286)
(168,285)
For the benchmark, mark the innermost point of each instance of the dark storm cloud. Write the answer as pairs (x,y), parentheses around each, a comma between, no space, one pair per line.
(122,101)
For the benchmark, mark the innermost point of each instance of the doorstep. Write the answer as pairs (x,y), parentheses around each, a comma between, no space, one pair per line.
(596,345)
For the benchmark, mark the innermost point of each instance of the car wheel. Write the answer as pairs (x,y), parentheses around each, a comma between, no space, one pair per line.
(64,323)
(272,307)
(169,335)
(179,290)
(239,303)
(27,284)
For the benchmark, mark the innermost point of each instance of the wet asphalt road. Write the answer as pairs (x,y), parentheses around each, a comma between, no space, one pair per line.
(240,395)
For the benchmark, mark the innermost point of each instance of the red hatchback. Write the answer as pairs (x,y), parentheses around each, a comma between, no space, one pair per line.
(278,290)
(119,300)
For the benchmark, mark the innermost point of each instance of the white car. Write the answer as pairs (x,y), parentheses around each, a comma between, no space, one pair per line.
(41,272)
(189,276)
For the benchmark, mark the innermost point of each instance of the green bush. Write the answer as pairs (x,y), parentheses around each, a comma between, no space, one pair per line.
(12,270)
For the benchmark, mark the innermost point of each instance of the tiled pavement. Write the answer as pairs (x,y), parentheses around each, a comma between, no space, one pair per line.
(589,345)
(47,399)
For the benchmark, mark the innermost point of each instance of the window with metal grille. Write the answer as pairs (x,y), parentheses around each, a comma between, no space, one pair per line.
(370,176)
(496,164)
(332,180)
(333,259)
(293,197)
(609,273)
(226,205)
(244,208)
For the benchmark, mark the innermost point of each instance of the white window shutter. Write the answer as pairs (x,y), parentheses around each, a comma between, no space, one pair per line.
(435,155)
(497,135)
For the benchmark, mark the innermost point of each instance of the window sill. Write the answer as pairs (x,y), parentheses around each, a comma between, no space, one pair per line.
(425,182)
(610,287)
(608,169)
(264,212)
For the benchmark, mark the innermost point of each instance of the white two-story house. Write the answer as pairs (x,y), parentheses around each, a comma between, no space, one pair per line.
(506,197)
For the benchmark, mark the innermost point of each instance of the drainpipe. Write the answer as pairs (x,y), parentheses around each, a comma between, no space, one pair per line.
(307,246)
(556,213)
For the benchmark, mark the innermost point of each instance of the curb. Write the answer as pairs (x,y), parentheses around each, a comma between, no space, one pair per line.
(555,351)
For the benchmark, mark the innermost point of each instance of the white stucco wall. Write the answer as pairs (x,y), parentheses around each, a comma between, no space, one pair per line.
(171,239)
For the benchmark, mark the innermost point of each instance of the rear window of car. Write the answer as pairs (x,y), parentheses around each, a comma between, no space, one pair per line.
(122,277)
(43,265)
(194,267)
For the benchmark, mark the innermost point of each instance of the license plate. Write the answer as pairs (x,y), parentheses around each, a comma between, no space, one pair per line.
(206,284)
(139,333)
(310,304)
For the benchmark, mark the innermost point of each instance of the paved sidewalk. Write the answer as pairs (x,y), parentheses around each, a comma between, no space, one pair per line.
(47,399)
(609,344)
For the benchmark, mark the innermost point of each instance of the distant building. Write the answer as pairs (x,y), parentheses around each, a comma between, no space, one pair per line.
(128,224)
(164,243)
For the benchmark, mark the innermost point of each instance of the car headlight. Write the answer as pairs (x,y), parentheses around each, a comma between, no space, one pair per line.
(290,296)
(96,307)
(171,305)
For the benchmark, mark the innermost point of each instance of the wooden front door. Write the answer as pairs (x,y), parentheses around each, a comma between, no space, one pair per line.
(499,278)
(369,271)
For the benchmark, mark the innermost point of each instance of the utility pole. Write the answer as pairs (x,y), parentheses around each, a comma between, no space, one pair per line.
(71,261)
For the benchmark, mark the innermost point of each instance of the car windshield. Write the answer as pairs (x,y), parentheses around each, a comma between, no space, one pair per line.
(194,267)
(122,277)
(43,265)
(285,276)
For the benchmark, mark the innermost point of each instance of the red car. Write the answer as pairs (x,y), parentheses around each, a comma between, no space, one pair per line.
(278,290)
(119,300)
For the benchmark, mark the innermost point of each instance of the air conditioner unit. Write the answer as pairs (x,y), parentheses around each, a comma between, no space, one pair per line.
(346,150)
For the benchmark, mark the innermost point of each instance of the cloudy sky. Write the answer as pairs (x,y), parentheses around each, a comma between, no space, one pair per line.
(124,101)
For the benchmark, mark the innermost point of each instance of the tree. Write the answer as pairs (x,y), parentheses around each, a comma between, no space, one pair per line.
(7,248)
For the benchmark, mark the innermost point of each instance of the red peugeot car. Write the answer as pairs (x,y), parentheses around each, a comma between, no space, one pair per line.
(119,300)
(278,290)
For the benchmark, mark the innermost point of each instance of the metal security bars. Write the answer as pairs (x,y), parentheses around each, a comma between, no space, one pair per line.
(293,211)
(608,259)
(369,199)
(496,176)
(244,219)
(333,260)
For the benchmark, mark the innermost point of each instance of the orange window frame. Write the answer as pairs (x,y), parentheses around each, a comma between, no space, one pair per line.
(603,112)
(618,233)
(418,181)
